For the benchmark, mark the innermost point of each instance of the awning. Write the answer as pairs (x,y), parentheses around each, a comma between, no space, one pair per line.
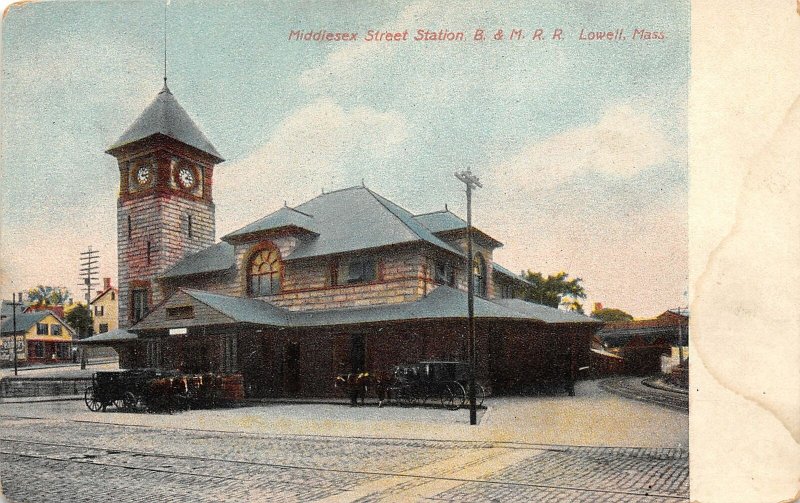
(117,335)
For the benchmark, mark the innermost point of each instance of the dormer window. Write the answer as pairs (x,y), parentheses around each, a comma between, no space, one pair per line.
(443,274)
(361,270)
(264,273)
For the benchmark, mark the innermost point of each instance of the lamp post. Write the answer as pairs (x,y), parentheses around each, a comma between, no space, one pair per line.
(471,181)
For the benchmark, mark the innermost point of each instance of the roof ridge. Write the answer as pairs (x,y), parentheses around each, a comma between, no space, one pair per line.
(378,198)
(381,200)
(432,212)
(309,215)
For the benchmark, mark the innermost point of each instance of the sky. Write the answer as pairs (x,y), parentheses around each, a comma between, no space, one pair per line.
(581,145)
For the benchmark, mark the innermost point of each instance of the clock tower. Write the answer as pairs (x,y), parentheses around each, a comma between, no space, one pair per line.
(165,209)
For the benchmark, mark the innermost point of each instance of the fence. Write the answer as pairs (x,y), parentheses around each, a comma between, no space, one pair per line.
(43,386)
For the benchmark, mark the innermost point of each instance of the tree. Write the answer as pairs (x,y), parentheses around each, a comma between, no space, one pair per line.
(554,290)
(610,314)
(79,318)
(49,296)
(571,304)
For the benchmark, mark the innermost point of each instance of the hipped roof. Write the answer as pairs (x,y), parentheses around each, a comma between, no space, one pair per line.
(442,303)
(344,221)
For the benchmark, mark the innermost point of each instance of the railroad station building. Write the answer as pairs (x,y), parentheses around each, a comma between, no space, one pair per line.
(346,281)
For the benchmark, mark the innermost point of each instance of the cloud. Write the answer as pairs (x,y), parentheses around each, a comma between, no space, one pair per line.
(637,264)
(622,143)
(310,150)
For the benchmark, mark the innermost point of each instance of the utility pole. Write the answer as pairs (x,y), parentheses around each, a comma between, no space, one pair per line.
(14,325)
(471,181)
(680,334)
(89,267)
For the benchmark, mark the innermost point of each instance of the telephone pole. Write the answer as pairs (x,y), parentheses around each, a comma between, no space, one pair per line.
(680,311)
(14,305)
(471,181)
(89,268)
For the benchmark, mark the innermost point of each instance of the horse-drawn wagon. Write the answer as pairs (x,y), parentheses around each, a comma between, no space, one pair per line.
(160,390)
(445,382)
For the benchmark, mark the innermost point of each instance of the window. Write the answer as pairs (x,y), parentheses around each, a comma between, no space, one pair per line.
(154,353)
(333,272)
(62,351)
(139,305)
(130,227)
(506,291)
(479,275)
(103,328)
(41,329)
(38,349)
(98,310)
(149,249)
(361,270)
(228,354)
(180,313)
(55,329)
(264,273)
(113,296)
(443,274)
(189,226)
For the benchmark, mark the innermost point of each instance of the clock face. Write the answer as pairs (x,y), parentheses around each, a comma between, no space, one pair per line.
(143,175)
(186,177)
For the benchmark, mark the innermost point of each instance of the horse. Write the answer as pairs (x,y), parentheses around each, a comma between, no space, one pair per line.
(356,384)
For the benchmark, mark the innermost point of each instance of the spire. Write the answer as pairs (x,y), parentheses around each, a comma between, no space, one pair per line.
(165,116)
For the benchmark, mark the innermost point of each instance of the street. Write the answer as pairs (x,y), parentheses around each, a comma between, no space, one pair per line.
(594,447)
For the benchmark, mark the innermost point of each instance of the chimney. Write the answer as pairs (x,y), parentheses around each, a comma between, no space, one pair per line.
(106,283)
(598,306)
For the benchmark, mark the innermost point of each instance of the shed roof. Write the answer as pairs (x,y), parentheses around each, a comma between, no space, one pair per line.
(116,335)
(164,115)
(217,257)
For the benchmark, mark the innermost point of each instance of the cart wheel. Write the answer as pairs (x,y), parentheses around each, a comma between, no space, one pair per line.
(449,400)
(459,394)
(91,400)
(407,397)
(480,394)
(129,401)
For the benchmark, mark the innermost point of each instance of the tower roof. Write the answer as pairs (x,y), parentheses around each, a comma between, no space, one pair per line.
(167,117)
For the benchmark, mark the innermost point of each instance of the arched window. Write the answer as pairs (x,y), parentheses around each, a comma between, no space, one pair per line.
(479,275)
(264,273)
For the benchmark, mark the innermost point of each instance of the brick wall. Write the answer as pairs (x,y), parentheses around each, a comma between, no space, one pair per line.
(161,220)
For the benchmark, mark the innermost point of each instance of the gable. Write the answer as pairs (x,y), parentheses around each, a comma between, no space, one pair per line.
(182,310)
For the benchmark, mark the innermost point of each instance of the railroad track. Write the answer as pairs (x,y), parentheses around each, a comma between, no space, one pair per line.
(632,387)
(237,471)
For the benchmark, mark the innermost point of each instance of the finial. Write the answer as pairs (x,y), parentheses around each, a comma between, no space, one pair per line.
(445,207)
(166,2)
